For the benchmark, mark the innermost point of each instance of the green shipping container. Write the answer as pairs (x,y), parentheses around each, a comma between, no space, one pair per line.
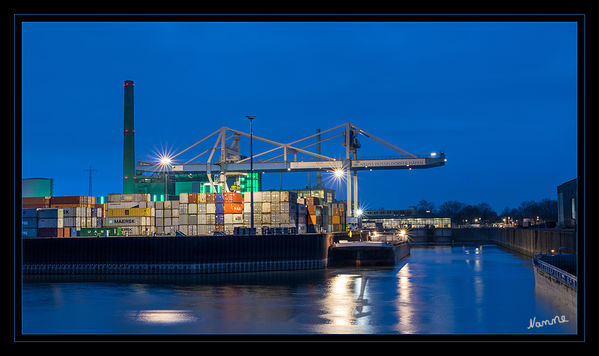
(100,231)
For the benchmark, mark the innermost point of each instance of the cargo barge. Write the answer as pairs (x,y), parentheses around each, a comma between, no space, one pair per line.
(174,254)
(367,254)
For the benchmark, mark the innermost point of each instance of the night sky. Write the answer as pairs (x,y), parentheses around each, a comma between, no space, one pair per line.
(498,98)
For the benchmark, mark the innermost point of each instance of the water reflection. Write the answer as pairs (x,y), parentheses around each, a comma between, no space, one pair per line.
(163,316)
(435,290)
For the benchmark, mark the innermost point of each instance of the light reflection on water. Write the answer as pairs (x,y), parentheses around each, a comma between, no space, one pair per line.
(434,291)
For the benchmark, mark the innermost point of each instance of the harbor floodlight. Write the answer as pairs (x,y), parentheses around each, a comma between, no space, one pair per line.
(338,173)
(165,161)
(359,212)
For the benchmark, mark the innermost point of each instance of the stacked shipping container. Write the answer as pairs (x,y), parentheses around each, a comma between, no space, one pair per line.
(192,214)
(134,214)
(167,217)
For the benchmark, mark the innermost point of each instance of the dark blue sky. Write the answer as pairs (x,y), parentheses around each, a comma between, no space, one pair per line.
(498,98)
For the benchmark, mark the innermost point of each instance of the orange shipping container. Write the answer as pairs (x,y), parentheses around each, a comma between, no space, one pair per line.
(233,197)
(36,202)
(219,228)
(233,208)
(210,198)
(192,198)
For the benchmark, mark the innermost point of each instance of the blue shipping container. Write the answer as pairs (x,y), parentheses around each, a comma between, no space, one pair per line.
(219,198)
(219,208)
(29,223)
(29,232)
(29,213)
(219,219)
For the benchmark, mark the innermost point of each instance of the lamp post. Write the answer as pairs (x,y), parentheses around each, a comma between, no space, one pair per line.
(251,175)
(165,162)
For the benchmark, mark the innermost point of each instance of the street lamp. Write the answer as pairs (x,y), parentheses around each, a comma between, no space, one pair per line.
(165,162)
(251,174)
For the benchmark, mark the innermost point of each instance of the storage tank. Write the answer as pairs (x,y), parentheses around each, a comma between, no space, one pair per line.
(37,187)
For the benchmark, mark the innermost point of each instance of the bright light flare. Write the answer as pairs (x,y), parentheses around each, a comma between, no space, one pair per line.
(359,212)
(165,161)
(338,173)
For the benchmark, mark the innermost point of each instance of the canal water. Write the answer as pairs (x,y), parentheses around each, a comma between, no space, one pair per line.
(436,290)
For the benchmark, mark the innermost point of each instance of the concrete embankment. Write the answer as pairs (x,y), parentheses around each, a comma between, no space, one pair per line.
(524,241)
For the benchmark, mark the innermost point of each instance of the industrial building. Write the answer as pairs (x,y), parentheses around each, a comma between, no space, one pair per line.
(393,219)
(37,187)
(567,203)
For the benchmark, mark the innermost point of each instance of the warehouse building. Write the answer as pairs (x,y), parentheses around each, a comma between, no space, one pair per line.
(567,203)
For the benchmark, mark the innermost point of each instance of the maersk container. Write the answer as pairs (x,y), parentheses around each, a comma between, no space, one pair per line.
(125,221)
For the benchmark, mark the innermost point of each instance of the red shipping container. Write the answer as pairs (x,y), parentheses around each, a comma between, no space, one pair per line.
(210,198)
(79,200)
(192,198)
(36,202)
(219,228)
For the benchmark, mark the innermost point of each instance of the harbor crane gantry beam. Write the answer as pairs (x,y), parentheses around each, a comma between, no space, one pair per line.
(232,162)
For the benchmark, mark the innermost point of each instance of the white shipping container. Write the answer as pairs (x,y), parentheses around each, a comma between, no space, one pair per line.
(192,219)
(265,207)
(210,229)
(50,223)
(202,208)
(167,204)
(175,213)
(175,221)
(175,204)
(284,196)
(265,218)
(265,197)
(193,230)
(168,222)
(192,208)
(228,218)
(202,230)
(202,219)
(238,218)
(183,198)
(184,228)
(125,221)
(159,213)
(160,230)
(210,219)
(131,230)
(167,213)
(159,205)
(274,197)
(183,219)
(210,208)
(183,209)
(201,197)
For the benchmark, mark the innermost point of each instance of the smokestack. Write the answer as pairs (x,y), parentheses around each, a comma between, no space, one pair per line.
(129,143)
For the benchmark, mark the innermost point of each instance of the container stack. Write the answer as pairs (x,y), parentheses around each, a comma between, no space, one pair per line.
(336,217)
(36,202)
(167,217)
(29,222)
(134,214)
(315,213)
(50,223)
(247,210)
(302,213)
(206,213)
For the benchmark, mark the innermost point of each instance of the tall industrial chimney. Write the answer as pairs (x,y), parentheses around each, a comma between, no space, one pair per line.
(129,143)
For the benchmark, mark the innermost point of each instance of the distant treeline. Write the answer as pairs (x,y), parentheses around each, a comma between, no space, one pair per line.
(544,210)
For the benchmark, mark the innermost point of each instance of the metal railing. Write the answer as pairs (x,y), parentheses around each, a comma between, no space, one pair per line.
(558,273)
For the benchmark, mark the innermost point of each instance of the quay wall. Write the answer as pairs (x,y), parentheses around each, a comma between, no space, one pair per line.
(189,254)
(524,241)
